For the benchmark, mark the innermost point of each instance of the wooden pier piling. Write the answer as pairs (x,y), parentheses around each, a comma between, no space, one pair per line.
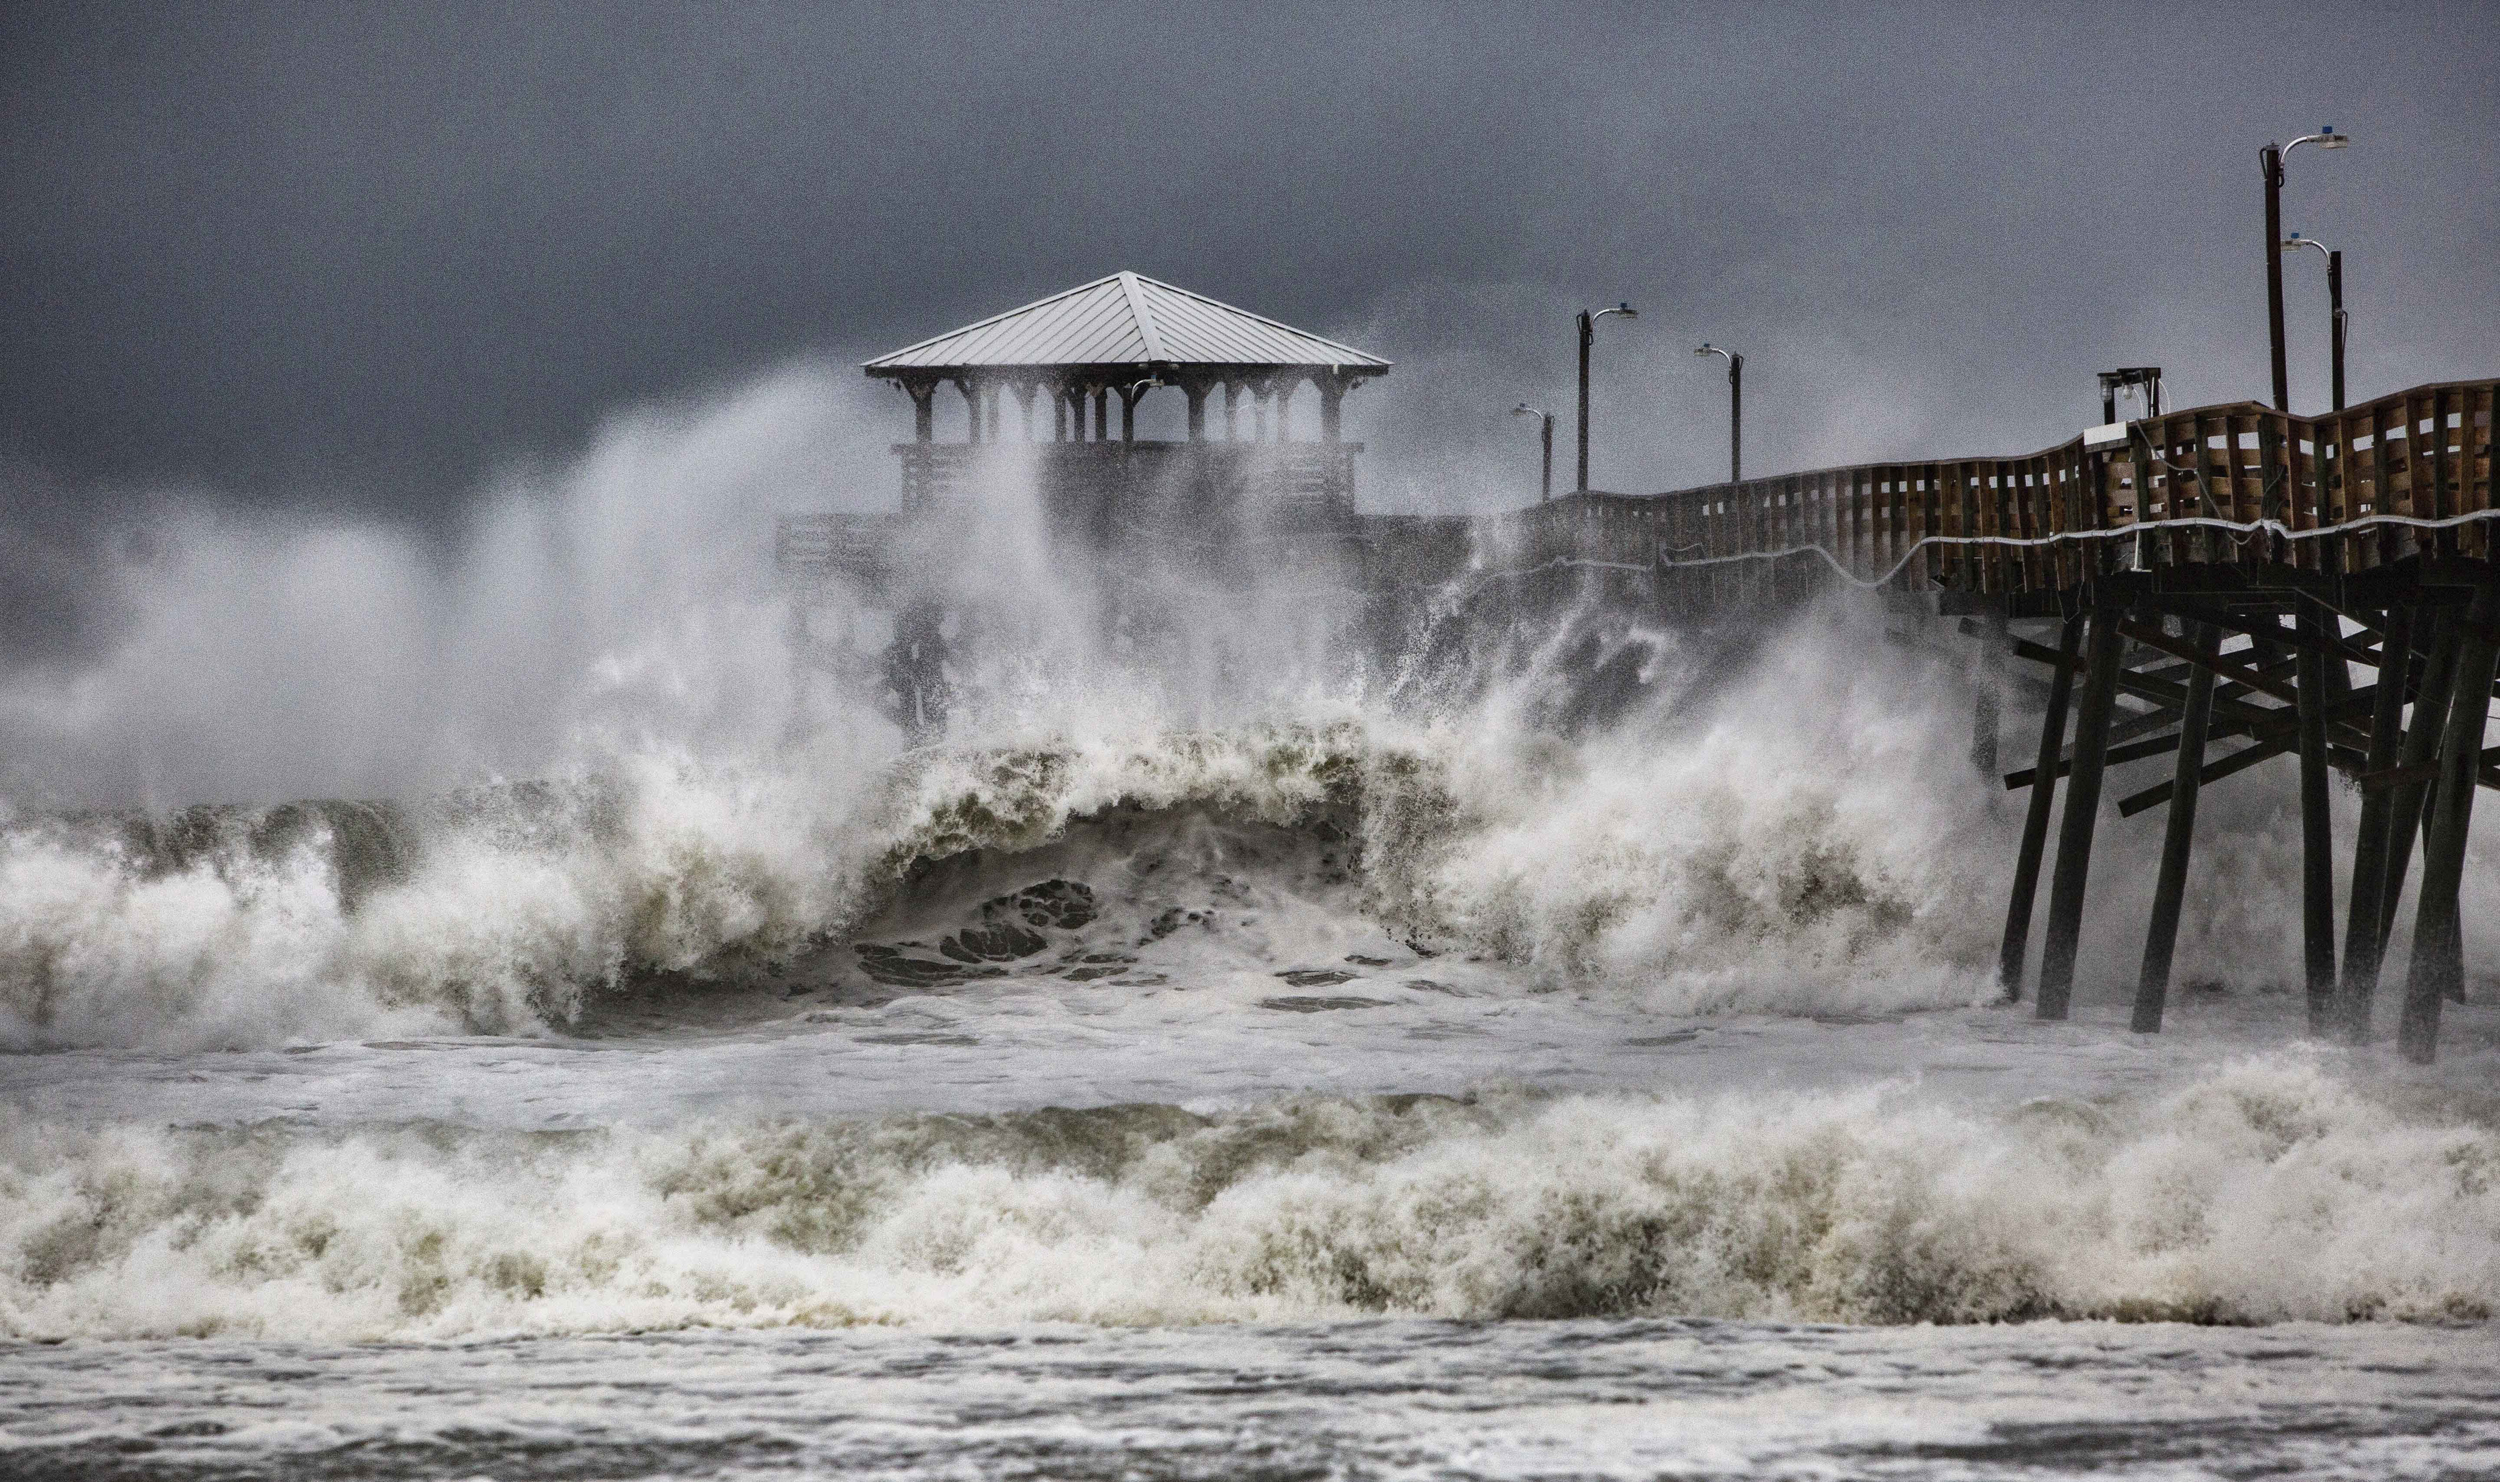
(2407,798)
(2083,804)
(2237,540)
(1988,699)
(2183,539)
(2365,936)
(2026,888)
(2161,935)
(2317,838)
(2438,967)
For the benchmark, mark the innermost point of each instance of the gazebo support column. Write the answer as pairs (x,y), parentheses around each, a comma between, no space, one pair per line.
(1332,409)
(1102,414)
(1232,411)
(1197,395)
(923,396)
(972,408)
(1284,406)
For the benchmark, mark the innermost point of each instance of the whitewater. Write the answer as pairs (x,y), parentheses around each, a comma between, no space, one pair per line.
(470,1005)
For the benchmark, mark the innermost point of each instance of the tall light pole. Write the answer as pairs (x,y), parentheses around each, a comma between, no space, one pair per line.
(2270,164)
(1735,410)
(1588,337)
(1545,428)
(2335,306)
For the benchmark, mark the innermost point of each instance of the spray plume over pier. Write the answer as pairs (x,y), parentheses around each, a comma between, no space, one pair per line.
(2205,581)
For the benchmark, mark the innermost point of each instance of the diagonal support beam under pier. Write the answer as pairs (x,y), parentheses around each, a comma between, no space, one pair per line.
(2026,889)
(2083,805)
(2161,936)
(2365,943)
(2132,752)
(2437,971)
(2275,730)
(2255,719)
(2421,743)
(2154,638)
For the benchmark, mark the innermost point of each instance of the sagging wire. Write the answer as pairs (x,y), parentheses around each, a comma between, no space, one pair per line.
(2239,533)
(2196,476)
(2245,529)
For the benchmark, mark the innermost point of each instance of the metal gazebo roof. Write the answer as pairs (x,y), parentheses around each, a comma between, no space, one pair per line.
(1125,320)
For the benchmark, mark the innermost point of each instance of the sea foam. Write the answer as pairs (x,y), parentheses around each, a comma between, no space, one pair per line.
(2266,1190)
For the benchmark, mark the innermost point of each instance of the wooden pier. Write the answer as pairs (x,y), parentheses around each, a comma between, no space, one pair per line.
(2209,579)
(2225,567)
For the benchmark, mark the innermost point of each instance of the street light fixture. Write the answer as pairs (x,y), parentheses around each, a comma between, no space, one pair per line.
(1735,409)
(2270,164)
(1545,428)
(1588,337)
(2335,305)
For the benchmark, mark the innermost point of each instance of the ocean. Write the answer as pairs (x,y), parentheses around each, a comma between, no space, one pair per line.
(1567,1050)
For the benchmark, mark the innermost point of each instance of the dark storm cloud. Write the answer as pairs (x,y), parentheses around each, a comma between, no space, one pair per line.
(355,254)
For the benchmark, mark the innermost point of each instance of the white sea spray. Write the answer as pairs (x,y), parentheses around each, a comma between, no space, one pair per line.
(2266,1190)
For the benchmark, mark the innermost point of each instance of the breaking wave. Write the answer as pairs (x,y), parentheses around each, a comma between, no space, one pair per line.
(2269,1190)
(1746,849)
(1729,868)
(1775,819)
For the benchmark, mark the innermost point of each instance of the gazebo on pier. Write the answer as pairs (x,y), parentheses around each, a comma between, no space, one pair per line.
(1119,339)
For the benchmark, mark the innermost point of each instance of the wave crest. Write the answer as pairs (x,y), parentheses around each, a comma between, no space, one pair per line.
(2268,1191)
(512,908)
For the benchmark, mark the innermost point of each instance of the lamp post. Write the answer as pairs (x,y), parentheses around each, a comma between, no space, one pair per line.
(2335,306)
(1588,337)
(1545,430)
(1735,409)
(2270,164)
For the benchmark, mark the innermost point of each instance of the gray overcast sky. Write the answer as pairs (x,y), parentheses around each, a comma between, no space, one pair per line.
(356,255)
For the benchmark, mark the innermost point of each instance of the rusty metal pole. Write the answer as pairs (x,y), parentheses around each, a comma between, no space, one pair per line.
(2270,164)
(1588,337)
(2438,966)
(1736,417)
(2335,301)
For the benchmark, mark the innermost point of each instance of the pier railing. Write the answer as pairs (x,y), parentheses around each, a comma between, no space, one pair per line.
(2233,484)
(1124,471)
